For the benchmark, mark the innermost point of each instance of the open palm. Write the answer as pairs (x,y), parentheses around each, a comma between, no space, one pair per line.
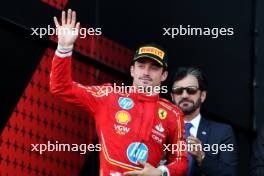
(68,30)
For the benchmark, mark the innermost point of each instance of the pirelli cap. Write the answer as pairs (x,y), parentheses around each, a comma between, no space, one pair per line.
(152,51)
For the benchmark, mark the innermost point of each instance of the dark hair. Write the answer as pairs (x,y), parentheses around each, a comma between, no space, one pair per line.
(182,72)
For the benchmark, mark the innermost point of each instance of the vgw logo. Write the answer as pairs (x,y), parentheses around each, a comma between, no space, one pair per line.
(137,151)
(122,130)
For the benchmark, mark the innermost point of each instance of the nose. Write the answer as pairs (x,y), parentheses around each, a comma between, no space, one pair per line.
(185,94)
(146,71)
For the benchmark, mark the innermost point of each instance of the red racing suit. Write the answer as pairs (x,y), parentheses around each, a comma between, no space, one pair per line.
(130,127)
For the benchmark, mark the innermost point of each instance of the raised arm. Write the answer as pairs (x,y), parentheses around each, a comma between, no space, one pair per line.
(61,83)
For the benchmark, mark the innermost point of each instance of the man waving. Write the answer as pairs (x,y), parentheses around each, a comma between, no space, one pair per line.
(133,127)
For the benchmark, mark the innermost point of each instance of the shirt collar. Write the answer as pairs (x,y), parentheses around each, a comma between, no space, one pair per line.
(195,121)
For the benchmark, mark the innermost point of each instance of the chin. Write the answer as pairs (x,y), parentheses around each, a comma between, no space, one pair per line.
(145,85)
(185,110)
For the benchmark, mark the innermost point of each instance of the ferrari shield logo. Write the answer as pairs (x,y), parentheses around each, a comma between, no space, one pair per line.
(162,114)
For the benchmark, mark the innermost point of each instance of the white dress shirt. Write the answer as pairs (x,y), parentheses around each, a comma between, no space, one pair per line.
(195,124)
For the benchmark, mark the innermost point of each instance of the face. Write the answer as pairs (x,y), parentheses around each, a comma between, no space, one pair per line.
(146,72)
(187,95)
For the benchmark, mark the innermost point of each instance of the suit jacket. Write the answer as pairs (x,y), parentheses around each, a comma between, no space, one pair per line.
(257,163)
(222,163)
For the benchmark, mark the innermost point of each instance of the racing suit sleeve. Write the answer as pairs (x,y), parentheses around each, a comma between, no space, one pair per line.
(177,157)
(89,98)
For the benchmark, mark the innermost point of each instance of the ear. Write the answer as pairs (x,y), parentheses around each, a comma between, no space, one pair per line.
(203,96)
(164,75)
(132,73)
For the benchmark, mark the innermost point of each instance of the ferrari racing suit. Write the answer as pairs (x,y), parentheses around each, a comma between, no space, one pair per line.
(130,126)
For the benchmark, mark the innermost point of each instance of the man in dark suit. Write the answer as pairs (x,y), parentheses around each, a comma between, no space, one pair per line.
(257,163)
(215,151)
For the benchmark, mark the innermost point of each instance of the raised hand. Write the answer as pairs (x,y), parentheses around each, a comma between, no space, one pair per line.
(196,151)
(68,31)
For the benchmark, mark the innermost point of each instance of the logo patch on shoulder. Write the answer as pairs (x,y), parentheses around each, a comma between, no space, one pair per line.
(162,113)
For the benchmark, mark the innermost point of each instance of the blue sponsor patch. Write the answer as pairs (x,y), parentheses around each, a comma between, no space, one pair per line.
(125,103)
(137,151)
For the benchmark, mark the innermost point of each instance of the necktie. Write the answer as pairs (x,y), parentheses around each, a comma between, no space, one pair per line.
(187,134)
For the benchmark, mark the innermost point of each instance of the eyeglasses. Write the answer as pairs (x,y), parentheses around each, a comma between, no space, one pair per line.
(191,90)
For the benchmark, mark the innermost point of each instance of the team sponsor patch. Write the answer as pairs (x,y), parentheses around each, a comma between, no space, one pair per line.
(125,103)
(151,50)
(157,139)
(160,128)
(158,133)
(121,129)
(123,117)
(137,151)
(162,114)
